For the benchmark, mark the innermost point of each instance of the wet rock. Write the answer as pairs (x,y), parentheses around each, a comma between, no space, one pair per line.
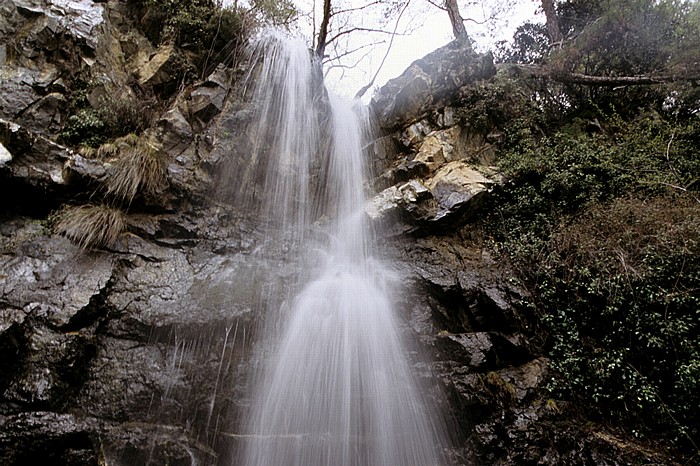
(36,162)
(48,277)
(79,18)
(477,348)
(175,132)
(51,368)
(208,99)
(527,378)
(81,170)
(49,438)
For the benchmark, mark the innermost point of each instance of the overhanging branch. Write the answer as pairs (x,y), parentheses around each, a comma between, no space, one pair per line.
(589,80)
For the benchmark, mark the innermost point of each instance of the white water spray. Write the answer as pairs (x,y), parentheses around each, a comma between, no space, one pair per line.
(337,389)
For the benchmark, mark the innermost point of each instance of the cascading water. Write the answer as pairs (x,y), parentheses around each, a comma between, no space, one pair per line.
(336,388)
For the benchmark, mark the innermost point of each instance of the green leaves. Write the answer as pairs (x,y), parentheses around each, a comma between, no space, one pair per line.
(604,229)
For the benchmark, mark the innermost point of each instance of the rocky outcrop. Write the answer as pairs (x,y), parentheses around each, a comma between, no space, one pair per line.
(436,169)
(430,83)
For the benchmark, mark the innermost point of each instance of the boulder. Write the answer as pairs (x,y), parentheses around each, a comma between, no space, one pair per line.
(207,100)
(459,188)
(449,197)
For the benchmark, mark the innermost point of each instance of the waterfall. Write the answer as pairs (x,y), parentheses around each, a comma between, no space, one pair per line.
(336,387)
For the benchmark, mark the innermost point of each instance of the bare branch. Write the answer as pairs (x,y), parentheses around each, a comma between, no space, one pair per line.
(436,5)
(364,89)
(377,2)
(348,31)
(348,52)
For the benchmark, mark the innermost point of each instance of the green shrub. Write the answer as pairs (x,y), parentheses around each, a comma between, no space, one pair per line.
(84,128)
(619,289)
(603,230)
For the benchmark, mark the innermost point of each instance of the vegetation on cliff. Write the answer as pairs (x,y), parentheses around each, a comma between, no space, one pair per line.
(600,217)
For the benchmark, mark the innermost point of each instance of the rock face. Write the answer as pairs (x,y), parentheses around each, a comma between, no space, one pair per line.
(139,352)
(435,169)
(430,83)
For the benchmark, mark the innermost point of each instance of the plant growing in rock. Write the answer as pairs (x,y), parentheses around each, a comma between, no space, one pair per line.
(127,113)
(84,128)
(89,226)
(138,167)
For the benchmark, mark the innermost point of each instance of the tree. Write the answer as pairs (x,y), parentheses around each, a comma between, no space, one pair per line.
(610,44)
(555,35)
(456,19)
(341,24)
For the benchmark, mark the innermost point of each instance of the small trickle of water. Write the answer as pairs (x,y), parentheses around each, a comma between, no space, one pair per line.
(336,388)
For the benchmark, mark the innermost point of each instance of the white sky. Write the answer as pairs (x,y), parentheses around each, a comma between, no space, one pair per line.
(433,32)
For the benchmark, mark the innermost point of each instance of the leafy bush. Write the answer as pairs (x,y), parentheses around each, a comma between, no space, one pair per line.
(194,24)
(619,291)
(84,128)
(603,230)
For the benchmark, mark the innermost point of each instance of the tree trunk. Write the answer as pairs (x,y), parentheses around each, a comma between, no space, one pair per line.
(591,80)
(553,31)
(323,30)
(458,28)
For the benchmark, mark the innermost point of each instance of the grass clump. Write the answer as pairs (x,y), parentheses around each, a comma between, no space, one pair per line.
(90,226)
(139,167)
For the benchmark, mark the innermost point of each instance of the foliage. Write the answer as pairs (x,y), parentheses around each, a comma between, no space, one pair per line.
(115,116)
(496,104)
(601,223)
(208,25)
(84,127)
(89,226)
(607,38)
(530,45)
(632,37)
(279,13)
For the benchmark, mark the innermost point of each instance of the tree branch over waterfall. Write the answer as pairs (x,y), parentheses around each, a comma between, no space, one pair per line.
(346,30)
(364,88)
(321,41)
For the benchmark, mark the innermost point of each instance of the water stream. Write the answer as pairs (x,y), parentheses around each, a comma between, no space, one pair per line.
(335,386)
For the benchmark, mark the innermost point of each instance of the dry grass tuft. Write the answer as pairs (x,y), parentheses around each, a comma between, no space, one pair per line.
(139,168)
(90,226)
